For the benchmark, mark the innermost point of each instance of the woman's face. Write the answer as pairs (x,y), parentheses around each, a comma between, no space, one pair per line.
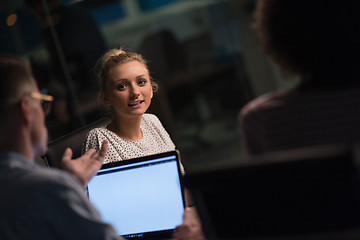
(128,89)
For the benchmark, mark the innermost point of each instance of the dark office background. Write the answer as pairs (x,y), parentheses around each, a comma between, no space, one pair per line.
(203,54)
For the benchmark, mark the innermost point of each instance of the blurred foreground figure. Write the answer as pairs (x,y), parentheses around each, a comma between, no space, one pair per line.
(38,202)
(319,42)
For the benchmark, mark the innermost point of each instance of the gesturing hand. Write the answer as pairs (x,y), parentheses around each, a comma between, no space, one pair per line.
(86,166)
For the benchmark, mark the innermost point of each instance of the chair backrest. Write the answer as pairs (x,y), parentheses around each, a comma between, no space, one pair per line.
(301,192)
(73,140)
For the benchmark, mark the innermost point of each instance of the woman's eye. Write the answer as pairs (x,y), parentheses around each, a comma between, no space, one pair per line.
(121,87)
(142,82)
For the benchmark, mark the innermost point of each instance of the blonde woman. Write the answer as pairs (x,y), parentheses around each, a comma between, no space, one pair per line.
(127,88)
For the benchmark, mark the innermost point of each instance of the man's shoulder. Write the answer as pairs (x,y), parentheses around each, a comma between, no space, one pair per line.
(45,176)
(34,180)
(265,102)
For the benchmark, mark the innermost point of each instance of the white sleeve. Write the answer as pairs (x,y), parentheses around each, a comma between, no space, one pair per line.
(91,141)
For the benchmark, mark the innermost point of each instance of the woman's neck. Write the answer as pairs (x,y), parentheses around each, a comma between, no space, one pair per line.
(127,128)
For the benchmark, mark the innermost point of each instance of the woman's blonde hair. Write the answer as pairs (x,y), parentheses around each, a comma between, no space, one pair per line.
(114,57)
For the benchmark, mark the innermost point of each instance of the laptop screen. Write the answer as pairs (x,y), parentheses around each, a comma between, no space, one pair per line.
(141,197)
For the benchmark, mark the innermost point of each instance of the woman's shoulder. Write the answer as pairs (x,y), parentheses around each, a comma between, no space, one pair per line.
(94,135)
(152,124)
(150,118)
(97,131)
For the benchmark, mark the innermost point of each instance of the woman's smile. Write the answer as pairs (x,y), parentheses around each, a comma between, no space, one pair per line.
(136,103)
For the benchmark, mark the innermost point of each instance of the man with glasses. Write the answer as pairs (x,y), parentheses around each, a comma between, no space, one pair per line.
(45,99)
(38,202)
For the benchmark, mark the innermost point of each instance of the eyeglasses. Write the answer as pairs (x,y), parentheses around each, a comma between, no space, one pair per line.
(45,101)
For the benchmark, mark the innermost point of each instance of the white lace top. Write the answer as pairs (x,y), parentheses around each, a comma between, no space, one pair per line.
(155,140)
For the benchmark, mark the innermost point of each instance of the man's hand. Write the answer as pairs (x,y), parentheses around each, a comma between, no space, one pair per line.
(86,166)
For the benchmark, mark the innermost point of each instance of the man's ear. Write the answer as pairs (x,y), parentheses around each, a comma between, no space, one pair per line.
(25,108)
(105,98)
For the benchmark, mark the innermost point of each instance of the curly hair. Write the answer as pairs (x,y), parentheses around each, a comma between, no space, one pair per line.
(114,57)
(315,39)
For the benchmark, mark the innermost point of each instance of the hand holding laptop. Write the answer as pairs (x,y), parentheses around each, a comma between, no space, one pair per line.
(191,227)
(86,166)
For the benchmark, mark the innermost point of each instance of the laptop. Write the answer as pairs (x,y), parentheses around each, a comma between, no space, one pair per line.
(142,198)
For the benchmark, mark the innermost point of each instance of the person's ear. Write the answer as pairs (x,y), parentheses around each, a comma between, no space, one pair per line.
(154,88)
(105,98)
(25,109)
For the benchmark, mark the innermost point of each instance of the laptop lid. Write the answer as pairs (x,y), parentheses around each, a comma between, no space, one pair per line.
(141,197)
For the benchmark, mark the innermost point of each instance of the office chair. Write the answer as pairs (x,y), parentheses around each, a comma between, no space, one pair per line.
(305,193)
(74,140)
